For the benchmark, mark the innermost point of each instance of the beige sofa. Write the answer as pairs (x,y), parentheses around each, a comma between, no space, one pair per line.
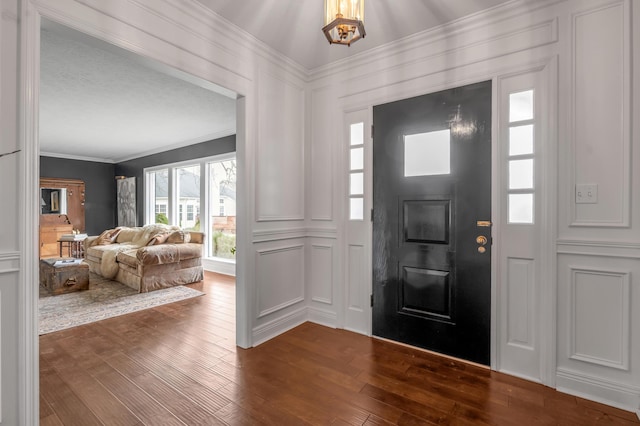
(147,258)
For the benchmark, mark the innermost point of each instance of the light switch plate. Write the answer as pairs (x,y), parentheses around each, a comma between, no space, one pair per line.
(587,193)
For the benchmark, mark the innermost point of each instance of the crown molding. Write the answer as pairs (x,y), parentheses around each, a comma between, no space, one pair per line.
(421,40)
(243,39)
(75,157)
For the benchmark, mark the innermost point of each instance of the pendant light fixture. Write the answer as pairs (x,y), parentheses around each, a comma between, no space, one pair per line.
(343,21)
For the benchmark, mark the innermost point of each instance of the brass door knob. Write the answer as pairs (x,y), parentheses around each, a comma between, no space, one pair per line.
(481,249)
(481,239)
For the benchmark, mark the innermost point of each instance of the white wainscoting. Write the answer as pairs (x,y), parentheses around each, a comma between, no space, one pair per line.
(280,288)
(321,280)
(598,296)
(356,287)
(9,262)
(521,300)
(599,316)
(280,278)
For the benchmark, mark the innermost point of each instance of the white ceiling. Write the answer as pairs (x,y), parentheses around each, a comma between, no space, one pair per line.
(103,103)
(294,27)
(100,103)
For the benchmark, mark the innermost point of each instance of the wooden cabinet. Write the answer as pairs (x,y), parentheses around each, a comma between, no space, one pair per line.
(52,227)
(62,202)
(73,205)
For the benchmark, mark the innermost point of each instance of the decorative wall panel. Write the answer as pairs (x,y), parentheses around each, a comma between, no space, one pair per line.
(280,152)
(356,258)
(322,166)
(600,317)
(322,273)
(521,302)
(279,278)
(601,113)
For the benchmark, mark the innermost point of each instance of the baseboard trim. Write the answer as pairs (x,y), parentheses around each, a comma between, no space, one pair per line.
(224,267)
(274,328)
(599,390)
(323,317)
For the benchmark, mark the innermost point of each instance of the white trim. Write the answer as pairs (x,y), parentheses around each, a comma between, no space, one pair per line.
(208,138)
(28,351)
(615,394)
(76,157)
(9,263)
(76,17)
(421,41)
(322,317)
(278,326)
(213,158)
(219,265)
(279,234)
(496,214)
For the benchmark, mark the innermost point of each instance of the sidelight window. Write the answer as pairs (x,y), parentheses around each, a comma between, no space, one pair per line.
(356,171)
(521,162)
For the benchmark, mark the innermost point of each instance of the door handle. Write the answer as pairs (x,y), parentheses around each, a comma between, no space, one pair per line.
(482,241)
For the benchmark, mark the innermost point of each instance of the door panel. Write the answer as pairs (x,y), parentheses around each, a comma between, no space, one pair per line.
(431,186)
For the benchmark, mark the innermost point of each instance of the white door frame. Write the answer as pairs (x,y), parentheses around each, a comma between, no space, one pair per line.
(31,17)
(547,326)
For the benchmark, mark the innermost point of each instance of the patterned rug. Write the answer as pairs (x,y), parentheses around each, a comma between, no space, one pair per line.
(104,299)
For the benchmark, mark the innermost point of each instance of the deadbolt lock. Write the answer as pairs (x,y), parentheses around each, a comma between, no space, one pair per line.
(481,239)
(481,249)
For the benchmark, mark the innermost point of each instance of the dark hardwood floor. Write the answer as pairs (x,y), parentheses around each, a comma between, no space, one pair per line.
(178,365)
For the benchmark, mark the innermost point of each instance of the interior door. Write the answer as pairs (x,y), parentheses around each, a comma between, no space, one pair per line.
(431,229)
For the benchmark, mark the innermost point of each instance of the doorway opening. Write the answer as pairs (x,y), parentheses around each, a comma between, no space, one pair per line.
(34,146)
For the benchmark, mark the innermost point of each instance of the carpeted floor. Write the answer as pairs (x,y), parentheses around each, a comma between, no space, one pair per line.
(104,299)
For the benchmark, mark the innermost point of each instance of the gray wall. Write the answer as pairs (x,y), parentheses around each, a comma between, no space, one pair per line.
(100,188)
(136,166)
(100,183)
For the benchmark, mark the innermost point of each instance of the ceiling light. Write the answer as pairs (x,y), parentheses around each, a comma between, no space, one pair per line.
(343,21)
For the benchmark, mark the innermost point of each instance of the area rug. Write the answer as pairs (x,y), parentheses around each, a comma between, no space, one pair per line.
(104,299)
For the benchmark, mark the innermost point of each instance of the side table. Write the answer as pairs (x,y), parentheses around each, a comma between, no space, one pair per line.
(74,246)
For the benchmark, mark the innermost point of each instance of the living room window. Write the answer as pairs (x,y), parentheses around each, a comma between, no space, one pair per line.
(196,195)
(157,189)
(222,191)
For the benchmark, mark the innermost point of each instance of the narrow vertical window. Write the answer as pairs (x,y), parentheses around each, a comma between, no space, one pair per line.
(356,171)
(222,197)
(188,178)
(158,193)
(521,161)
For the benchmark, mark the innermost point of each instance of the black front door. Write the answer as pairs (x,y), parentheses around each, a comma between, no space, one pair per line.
(431,229)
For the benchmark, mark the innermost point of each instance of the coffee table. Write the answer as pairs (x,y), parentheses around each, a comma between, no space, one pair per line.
(64,275)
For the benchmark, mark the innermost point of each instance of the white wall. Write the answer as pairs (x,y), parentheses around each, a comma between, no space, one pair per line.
(583,299)
(292,238)
(270,153)
(12,354)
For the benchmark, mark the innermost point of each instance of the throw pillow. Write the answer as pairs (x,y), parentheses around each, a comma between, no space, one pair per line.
(179,237)
(107,237)
(159,238)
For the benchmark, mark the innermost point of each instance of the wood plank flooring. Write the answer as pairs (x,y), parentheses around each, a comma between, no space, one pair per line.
(178,365)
